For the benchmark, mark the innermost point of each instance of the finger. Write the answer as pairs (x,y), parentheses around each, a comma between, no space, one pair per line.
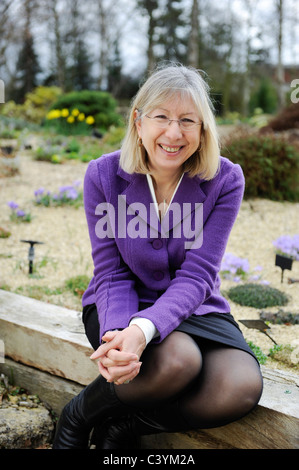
(109,335)
(102,350)
(121,356)
(128,378)
(104,372)
(117,373)
(107,362)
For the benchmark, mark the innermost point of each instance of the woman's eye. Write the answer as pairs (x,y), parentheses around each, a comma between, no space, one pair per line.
(187,120)
(161,116)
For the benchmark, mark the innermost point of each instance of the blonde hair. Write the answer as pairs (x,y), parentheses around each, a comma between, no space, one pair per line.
(163,84)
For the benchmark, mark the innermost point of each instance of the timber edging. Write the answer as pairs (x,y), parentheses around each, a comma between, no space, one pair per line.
(46,350)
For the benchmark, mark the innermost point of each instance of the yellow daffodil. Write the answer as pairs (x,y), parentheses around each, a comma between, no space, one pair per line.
(81,117)
(53,114)
(65,112)
(75,112)
(90,120)
(70,119)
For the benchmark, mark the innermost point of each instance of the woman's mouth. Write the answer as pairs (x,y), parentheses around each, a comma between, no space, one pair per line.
(170,149)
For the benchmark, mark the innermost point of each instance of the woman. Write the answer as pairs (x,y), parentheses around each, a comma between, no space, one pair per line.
(159,212)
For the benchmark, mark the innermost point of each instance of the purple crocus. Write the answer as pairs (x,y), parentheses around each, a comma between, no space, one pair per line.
(20,213)
(288,245)
(72,193)
(234,265)
(39,192)
(13,205)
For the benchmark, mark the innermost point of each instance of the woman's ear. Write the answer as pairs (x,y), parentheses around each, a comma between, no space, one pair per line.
(137,122)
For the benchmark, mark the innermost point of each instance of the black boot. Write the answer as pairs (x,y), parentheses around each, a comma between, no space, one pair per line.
(96,403)
(126,432)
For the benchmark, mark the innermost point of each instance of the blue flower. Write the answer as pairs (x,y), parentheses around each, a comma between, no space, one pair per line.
(20,213)
(288,245)
(13,205)
(39,192)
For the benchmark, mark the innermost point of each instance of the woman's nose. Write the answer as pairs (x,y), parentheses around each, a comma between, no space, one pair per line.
(173,130)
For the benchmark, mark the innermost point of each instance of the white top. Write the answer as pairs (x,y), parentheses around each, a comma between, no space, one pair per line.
(146,325)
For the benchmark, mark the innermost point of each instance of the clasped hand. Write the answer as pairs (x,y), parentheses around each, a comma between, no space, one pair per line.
(119,356)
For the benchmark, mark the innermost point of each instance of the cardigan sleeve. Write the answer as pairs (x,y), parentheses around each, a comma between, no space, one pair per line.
(195,280)
(114,283)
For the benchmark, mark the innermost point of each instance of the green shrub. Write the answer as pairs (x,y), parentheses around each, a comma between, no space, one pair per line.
(288,118)
(35,105)
(78,284)
(98,106)
(257,296)
(115,136)
(270,166)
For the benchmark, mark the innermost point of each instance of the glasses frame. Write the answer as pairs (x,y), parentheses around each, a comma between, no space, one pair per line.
(179,121)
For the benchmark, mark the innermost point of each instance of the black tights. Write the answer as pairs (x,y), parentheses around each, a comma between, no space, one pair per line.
(214,384)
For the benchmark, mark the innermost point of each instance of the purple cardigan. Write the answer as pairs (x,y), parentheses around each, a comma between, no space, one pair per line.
(156,268)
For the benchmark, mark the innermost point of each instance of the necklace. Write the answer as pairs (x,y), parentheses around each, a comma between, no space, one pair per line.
(165,198)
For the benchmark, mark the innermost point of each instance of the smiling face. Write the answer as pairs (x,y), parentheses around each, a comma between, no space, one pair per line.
(169,147)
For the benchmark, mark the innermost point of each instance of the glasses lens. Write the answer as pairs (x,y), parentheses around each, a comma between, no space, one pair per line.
(187,125)
(163,121)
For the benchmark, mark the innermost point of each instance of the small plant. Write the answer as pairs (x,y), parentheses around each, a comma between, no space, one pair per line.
(288,246)
(233,267)
(261,357)
(285,353)
(257,296)
(17,214)
(78,284)
(237,269)
(46,153)
(4,233)
(67,195)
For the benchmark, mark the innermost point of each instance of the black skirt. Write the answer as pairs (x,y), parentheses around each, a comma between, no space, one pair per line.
(218,327)
(215,327)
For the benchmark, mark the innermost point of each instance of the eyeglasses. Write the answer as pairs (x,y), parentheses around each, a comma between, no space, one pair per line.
(185,124)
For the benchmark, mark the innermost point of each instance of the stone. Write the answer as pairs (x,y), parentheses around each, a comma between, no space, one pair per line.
(25,428)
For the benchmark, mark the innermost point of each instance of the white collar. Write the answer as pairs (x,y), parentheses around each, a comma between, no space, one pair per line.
(152,190)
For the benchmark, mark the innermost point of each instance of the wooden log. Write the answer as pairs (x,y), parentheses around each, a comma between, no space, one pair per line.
(45,336)
(53,354)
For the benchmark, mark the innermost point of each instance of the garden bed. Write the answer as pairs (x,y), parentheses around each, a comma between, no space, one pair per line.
(65,252)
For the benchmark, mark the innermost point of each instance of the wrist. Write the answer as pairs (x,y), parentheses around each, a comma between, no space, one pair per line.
(140,331)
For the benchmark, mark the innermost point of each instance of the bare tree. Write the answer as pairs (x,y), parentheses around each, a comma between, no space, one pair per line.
(280,68)
(7,37)
(148,7)
(54,24)
(194,38)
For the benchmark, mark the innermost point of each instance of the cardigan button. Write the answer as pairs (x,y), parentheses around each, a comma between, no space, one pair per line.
(158,275)
(157,244)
